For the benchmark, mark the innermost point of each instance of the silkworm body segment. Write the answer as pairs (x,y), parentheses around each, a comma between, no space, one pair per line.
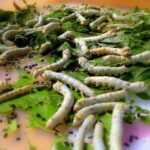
(62,113)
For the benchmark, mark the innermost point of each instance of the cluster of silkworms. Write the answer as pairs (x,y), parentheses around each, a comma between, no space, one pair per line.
(92,104)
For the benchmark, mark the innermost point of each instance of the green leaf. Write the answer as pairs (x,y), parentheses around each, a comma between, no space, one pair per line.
(106,120)
(21,17)
(44,102)
(12,127)
(75,26)
(32,147)
(64,46)
(6,16)
(59,13)
(80,75)
(24,79)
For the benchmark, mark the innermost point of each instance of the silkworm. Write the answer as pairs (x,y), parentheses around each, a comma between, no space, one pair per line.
(100,37)
(135,87)
(68,35)
(90,12)
(101,70)
(10,34)
(119,17)
(32,22)
(83,46)
(12,27)
(126,52)
(48,74)
(118,26)
(97,22)
(48,20)
(101,26)
(55,66)
(62,113)
(117,126)
(98,142)
(85,127)
(106,97)
(83,20)
(133,15)
(8,54)
(115,59)
(14,93)
(45,47)
(92,109)
(3,49)
(9,27)
(41,21)
(72,16)
(4,85)
(142,57)
(51,27)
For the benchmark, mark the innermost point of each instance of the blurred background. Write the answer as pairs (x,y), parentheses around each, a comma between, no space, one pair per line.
(8,4)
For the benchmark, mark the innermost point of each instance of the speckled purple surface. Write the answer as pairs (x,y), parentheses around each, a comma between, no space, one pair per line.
(136,136)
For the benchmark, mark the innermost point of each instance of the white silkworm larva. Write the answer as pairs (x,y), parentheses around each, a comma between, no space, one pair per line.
(41,21)
(90,12)
(101,26)
(98,142)
(3,49)
(101,70)
(106,97)
(115,58)
(55,66)
(97,22)
(72,16)
(117,83)
(118,26)
(69,35)
(4,85)
(82,19)
(14,93)
(13,52)
(48,74)
(62,113)
(111,51)
(48,20)
(119,17)
(83,45)
(97,38)
(51,27)
(142,57)
(32,22)
(9,27)
(124,17)
(92,109)
(9,34)
(45,47)
(84,128)
(117,126)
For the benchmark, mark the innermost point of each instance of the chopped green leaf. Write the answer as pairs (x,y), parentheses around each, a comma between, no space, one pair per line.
(12,127)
